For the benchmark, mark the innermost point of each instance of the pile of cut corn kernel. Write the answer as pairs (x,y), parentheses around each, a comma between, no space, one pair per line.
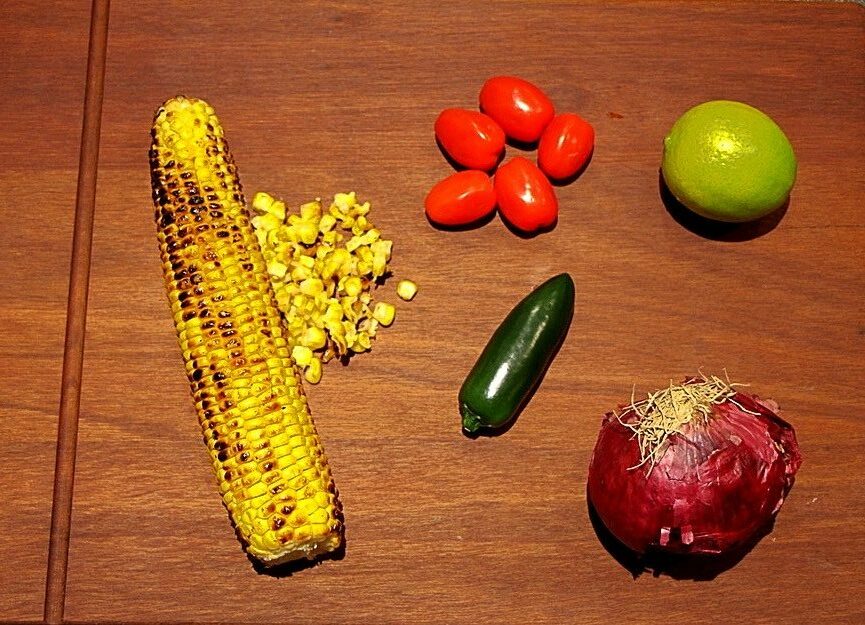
(323,264)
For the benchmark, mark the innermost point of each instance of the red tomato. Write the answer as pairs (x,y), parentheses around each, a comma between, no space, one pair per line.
(526,198)
(470,138)
(461,198)
(519,107)
(565,146)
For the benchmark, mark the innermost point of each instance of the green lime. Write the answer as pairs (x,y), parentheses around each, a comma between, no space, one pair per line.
(728,161)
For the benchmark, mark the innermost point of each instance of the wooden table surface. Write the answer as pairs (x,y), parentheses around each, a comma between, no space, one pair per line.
(42,67)
(323,97)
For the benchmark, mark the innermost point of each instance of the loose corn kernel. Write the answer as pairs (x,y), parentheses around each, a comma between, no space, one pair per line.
(324,263)
(311,286)
(307,232)
(344,201)
(384,313)
(326,223)
(333,312)
(314,338)
(262,201)
(331,238)
(362,343)
(406,289)
(302,355)
(313,372)
(299,273)
(352,286)
(266,222)
(310,211)
(276,269)
(353,243)
(277,209)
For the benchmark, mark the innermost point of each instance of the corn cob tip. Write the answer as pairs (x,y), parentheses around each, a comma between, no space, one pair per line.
(178,102)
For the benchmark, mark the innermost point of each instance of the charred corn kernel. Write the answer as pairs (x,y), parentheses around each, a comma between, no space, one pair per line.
(384,313)
(246,388)
(406,290)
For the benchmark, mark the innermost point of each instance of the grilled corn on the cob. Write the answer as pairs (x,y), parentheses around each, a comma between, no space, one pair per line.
(266,453)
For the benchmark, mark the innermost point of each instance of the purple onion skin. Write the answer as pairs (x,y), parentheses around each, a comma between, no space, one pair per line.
(713,490)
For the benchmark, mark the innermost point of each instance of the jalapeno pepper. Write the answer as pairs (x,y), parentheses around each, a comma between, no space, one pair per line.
(517,355)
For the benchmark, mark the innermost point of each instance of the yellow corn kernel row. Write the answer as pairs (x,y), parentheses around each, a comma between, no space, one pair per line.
(323,265)
(266,453)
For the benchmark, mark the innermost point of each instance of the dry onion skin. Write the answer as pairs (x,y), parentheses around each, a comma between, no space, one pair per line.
(698,468)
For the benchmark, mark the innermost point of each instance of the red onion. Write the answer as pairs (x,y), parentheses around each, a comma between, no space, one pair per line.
(699,468)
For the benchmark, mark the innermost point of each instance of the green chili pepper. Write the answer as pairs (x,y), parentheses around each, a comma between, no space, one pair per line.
(514,361)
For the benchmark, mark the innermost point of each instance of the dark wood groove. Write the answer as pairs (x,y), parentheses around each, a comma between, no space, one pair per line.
(76,317)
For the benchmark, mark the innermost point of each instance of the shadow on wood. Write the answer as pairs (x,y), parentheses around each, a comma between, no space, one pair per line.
(295,566)
(477,223)
(718,230)
(527,235)
(695,567)
(523,146)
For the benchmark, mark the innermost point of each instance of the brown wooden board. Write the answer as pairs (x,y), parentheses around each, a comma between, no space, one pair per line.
(42,59)
(324,97)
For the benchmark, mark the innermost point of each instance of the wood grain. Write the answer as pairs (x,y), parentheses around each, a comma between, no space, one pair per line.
(323,97)
(42,58)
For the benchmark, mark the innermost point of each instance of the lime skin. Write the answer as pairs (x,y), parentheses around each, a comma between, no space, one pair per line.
(728,161)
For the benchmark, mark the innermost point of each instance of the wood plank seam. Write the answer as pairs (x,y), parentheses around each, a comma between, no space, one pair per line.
(76,317)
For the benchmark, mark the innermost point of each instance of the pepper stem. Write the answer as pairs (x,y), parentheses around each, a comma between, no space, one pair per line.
(471,421)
